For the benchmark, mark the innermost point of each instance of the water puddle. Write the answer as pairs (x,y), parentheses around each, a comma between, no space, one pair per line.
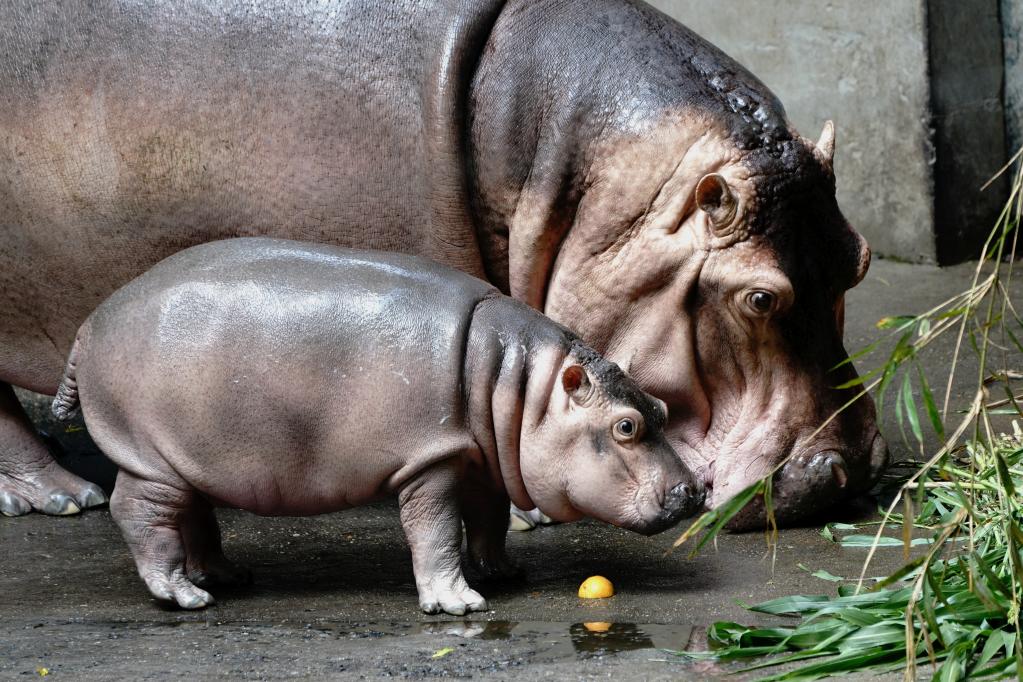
(553,639)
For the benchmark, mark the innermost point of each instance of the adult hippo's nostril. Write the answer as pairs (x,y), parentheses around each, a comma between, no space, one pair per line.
(879,458)
(810,484)
(839,473)
(827,467)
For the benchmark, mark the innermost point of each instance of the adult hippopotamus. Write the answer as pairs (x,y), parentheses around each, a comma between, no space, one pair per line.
(291,378)
(594,159)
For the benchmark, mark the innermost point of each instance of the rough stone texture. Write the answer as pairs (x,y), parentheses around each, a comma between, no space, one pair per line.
(866,66)
(1012,29)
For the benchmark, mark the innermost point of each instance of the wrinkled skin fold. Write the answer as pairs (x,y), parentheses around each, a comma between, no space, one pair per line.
(595,160)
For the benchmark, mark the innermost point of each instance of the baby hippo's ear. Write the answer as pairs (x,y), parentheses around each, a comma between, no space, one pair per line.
(576,383)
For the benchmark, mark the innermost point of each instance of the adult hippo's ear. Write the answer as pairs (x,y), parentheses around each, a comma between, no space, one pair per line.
(714,198)
(576,384)
(825,147)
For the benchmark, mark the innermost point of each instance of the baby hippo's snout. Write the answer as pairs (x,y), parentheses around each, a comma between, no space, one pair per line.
(681,501)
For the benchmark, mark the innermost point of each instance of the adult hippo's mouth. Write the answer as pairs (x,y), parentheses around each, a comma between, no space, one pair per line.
(809,484)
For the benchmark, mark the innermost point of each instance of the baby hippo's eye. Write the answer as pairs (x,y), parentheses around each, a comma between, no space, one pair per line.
(761,302)
(625,429)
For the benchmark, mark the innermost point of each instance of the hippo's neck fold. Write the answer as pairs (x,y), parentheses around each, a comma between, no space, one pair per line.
(512,359)
(452,238)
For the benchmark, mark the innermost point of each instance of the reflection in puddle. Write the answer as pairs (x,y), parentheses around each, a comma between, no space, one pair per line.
(582,639)
(544,640)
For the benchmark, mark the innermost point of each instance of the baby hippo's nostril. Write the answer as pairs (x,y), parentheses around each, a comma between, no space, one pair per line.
(682,501)
(685,499)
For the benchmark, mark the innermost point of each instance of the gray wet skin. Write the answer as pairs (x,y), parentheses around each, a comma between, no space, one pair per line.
(287,378)
(592,158)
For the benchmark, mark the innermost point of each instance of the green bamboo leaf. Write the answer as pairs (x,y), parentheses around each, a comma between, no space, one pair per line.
(911,413)
(725,633)
(901,573)
(859,617)
(715,519)
(791,605)
(932,409)
(883,541)
(857,380)
(839,664)
(877,635)
(1004,477)
(857,355)
(954,667)
(992,646)
(824,575)
(954,312)
(898,321)
(931,618)
(999,669)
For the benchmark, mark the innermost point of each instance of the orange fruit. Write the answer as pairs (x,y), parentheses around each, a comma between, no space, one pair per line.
(596,587)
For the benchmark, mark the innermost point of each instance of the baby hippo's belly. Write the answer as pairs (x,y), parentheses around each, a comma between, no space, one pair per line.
(288,437)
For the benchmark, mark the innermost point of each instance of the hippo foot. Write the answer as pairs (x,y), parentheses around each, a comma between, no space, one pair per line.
(175,587)
(456,601)
(527,520)
(50,491)
(221,573)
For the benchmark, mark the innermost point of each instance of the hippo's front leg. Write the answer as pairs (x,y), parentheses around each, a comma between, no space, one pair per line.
(485,510)
(429,515)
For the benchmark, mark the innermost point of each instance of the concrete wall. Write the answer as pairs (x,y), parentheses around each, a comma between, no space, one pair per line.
(866,65)
(1012,29)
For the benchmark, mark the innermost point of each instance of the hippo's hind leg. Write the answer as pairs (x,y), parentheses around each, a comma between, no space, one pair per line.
(205,563)
(29,476)
(151,516)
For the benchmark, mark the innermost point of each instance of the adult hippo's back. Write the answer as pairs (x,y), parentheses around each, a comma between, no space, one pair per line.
(594,159)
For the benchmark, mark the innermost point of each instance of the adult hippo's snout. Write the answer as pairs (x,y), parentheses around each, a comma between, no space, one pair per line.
(830,470)
(814,482)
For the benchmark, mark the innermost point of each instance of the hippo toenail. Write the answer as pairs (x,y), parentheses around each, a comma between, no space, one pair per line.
(12,505)
(61,504)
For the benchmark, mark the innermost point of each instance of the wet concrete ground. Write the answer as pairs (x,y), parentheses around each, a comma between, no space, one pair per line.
(334,595)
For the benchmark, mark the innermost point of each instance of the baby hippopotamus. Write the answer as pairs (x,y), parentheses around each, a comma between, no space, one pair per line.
(288,378)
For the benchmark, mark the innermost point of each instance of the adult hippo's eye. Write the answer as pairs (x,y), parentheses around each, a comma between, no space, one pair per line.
(760,302)
(625,429)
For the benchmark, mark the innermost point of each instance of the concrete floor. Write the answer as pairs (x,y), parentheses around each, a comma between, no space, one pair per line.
(334,595)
